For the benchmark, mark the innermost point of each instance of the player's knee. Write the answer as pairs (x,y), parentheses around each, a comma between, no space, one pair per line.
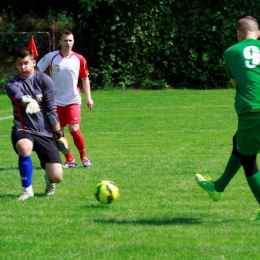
(24,147)
(249,164)
(54,171)
(57,178)
(73,127)
(234,151)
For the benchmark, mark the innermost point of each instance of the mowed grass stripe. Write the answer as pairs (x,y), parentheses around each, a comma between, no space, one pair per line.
(150,143)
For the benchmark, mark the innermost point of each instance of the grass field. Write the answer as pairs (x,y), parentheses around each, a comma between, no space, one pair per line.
(150,143)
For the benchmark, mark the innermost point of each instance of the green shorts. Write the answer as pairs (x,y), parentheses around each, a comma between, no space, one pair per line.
(248,134)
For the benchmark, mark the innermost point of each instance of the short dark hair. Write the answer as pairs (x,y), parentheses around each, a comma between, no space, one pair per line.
(66,32)
(24,52)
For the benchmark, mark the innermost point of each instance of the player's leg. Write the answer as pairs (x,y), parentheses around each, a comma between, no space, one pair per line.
(232,167)
(54,174)
(252,174)
(48,153)
(79,143)
(248,146)
(253,178)
(70,160)
(23,145)
(216,189)
(78,139)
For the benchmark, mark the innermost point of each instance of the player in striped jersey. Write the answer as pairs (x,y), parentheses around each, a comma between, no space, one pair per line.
(66,67)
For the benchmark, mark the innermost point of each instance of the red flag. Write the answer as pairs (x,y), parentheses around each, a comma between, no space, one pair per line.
(32,47)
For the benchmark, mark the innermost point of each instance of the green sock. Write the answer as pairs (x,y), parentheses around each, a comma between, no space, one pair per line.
(232,168)
(254,184)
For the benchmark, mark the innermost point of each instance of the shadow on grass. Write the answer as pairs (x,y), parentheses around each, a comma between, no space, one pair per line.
(8,169)
(8,196)
(153,222)
(13,196)
(17,169)
(96,206)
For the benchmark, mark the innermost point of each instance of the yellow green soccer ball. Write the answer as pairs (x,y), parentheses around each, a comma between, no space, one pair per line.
(106,191)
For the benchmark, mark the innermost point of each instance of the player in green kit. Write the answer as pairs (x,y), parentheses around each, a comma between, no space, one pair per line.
(243,68)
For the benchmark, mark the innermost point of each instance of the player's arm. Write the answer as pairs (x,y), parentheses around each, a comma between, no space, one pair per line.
(30,104)
(83,74)
(43,64)
(233,82)
(49,101)
(86,87)
(229,73)
(61,141)
(51,112)
(14,92)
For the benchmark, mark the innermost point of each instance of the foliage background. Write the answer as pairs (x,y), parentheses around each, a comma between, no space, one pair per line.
(148,45)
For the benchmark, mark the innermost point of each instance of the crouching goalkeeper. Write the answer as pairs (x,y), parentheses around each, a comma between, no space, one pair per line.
(36,124)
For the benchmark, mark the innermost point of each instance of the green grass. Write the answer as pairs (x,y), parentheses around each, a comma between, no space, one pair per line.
(150,143)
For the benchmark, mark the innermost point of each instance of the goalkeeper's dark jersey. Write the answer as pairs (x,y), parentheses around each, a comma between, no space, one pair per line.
(40,87)
(243,64)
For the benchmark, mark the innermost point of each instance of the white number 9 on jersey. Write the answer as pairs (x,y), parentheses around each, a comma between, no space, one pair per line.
(252,56)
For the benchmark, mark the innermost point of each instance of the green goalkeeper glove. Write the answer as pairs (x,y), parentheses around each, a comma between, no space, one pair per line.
(32,105)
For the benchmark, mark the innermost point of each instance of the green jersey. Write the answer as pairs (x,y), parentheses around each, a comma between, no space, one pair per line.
(243,64)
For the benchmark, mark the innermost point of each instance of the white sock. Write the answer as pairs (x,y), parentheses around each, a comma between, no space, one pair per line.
(29,189)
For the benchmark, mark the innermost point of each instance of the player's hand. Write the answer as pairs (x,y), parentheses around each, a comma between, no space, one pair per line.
(32,105)
(61,142)
(57,134)
(90,103)
(63,145)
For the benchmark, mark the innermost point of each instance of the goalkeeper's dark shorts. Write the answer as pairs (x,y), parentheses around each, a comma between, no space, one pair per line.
(45,147)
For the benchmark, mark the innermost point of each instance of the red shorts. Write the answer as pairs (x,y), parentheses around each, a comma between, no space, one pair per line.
(69,114)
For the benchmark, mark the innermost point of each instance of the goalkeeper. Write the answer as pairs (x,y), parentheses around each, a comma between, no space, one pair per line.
(36,125)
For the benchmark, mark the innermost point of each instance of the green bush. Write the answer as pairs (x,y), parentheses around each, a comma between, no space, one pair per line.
(156,44)
(3,79)
(151,44)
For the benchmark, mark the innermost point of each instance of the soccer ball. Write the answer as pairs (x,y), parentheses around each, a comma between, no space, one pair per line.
(106,191)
